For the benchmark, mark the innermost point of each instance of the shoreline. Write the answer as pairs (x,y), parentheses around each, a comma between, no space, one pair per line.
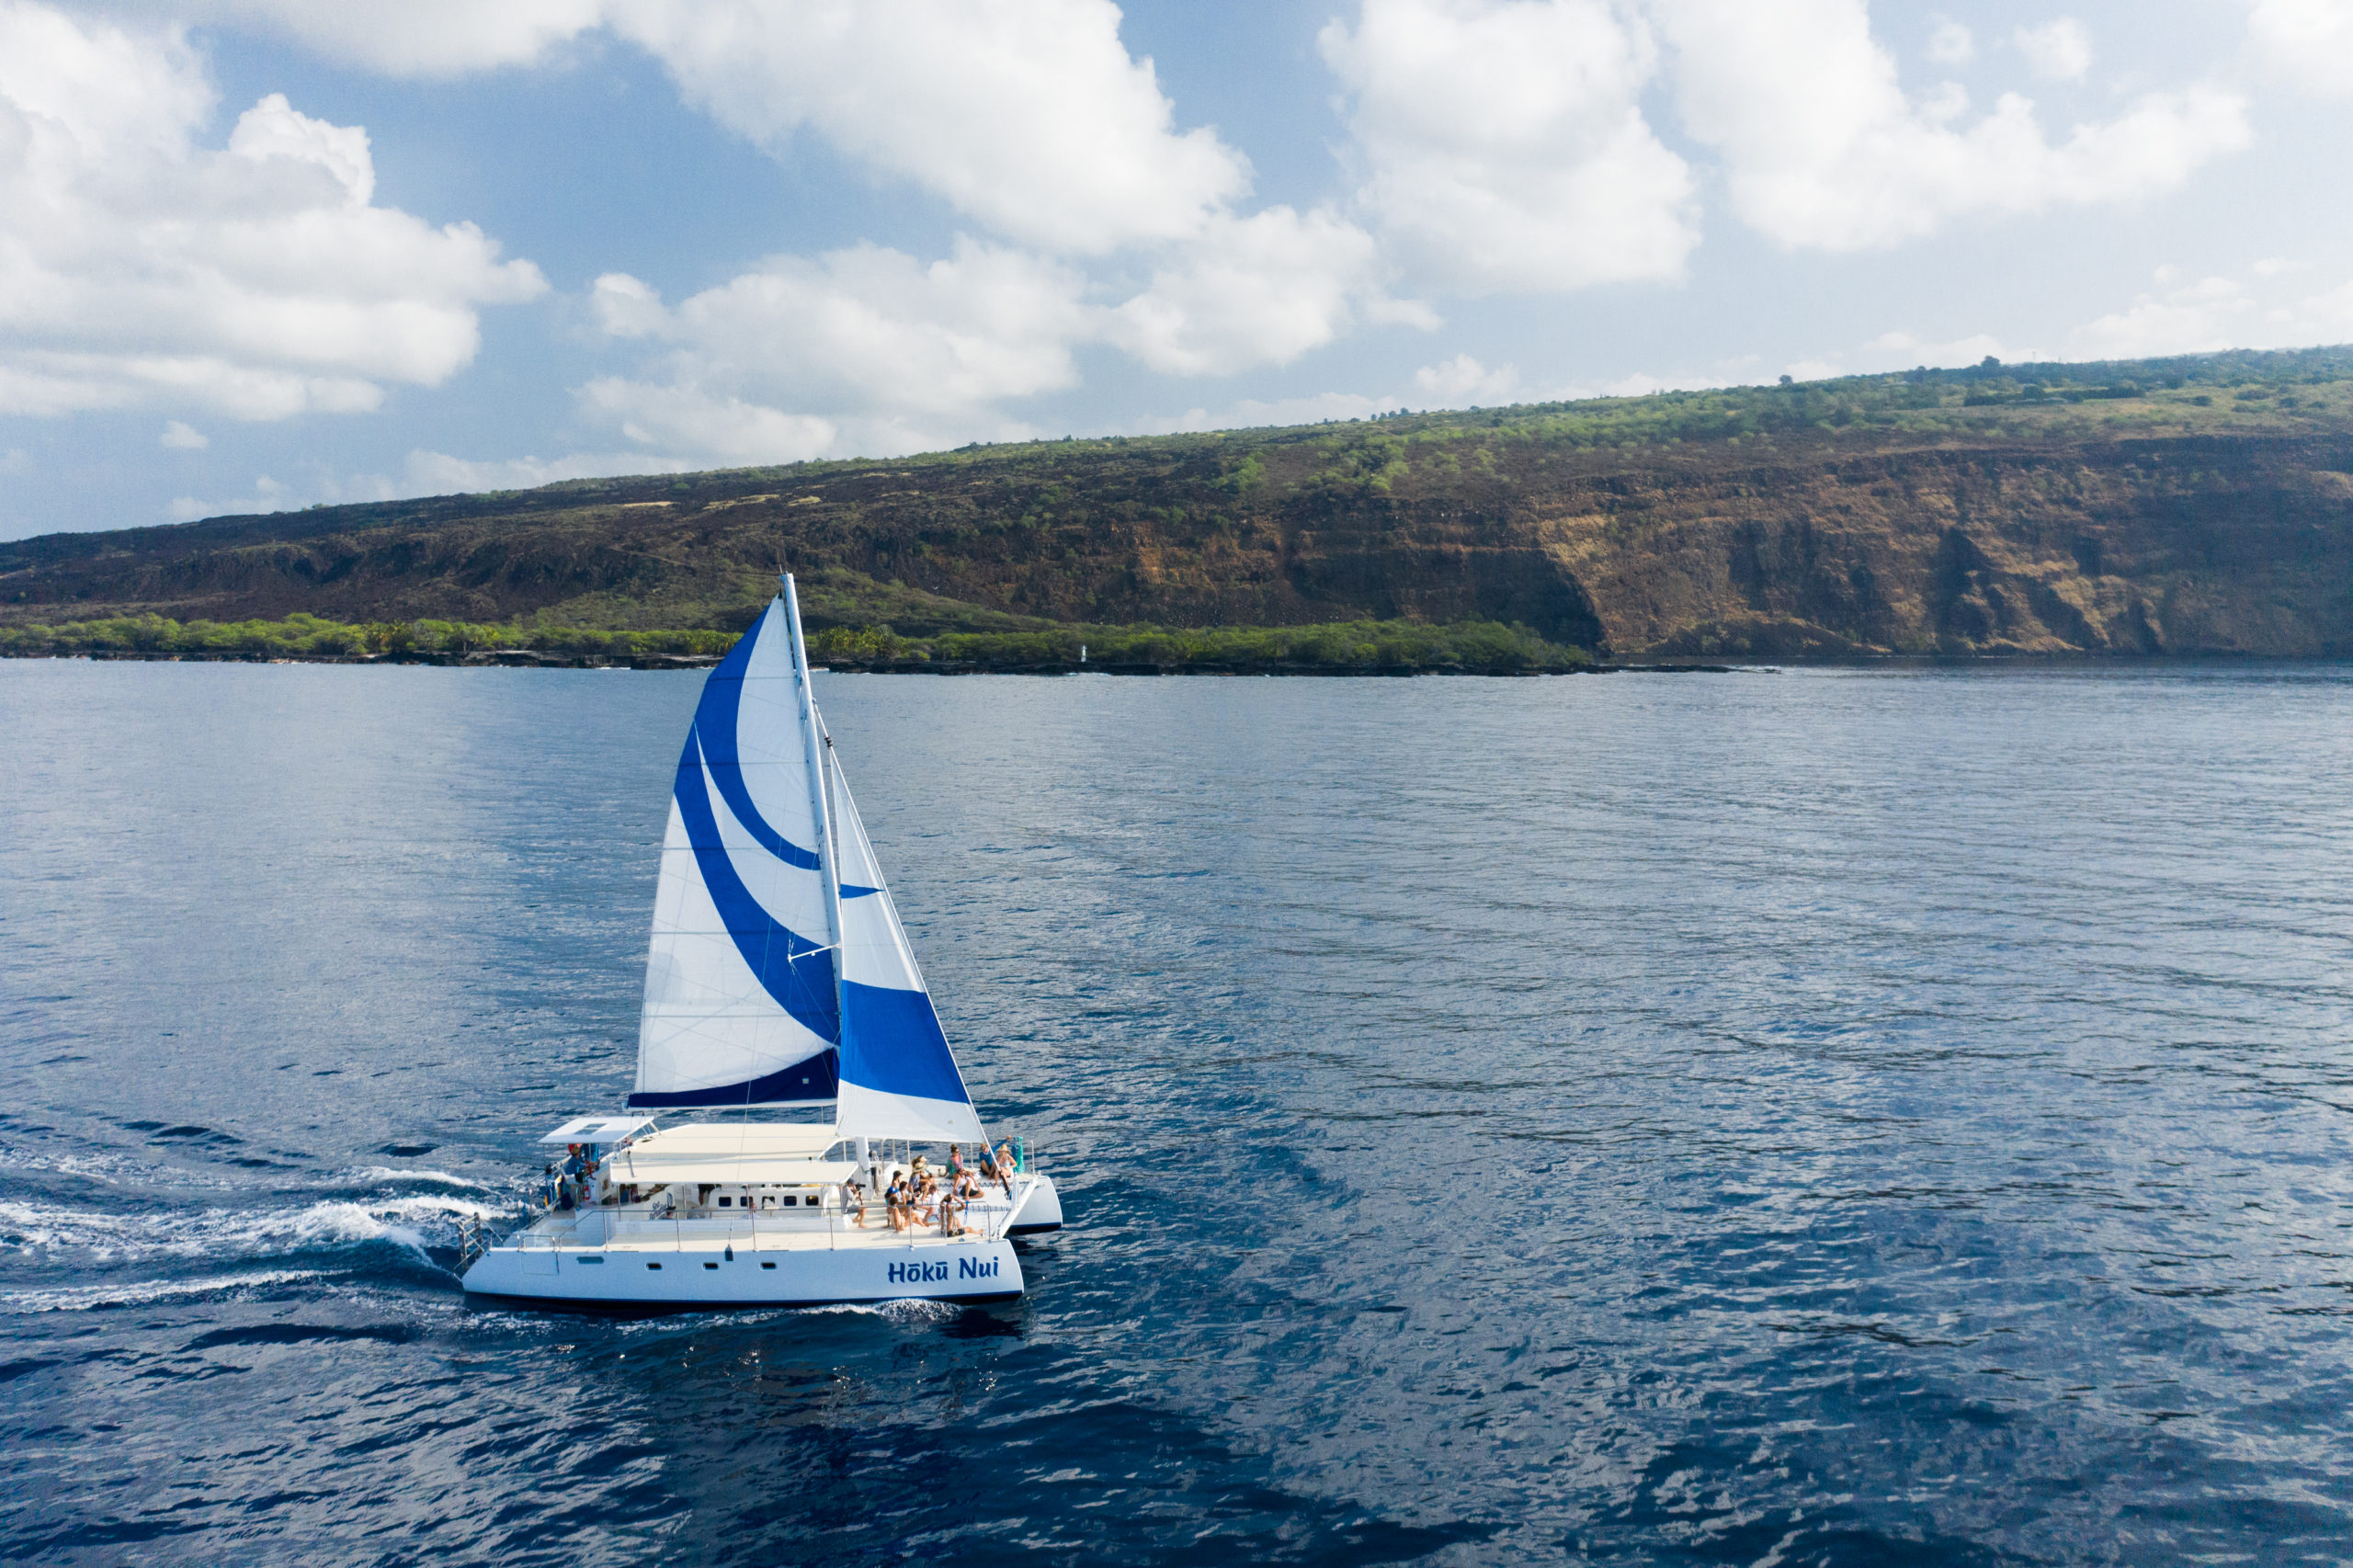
(526,659)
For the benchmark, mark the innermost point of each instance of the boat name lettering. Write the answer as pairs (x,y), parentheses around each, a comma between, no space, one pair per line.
(931,1273)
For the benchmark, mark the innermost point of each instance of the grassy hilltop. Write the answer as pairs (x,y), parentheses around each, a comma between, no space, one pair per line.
(2194,504)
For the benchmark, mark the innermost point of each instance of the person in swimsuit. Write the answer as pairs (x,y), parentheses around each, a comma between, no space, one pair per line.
(854,1202)
(951,1215)
(926,1201)
(896,1201)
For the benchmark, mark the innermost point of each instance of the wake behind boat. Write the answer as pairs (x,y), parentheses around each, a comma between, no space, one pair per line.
(779,978)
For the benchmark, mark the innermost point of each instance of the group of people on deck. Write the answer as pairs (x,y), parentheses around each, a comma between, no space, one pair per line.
(916,1199)
(567,1187)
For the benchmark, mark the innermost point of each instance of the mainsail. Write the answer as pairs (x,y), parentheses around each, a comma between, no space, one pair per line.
(767,880)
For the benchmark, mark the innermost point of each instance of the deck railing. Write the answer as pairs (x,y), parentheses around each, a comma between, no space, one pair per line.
(984,1219)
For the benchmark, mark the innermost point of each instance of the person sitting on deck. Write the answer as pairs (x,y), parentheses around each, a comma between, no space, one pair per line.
(1005,1165)
(926,1200)
(895,1204)
(951,1215)
(854,1202)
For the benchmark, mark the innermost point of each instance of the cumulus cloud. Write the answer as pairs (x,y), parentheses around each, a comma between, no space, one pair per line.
(1823,148)
(1028,116)
(323,488)
(438,474)
(182,437)
(1463,381)
(2174,318)
(1902,350)
(416,37)
(138,267)
(1257,290)
(1503,144)
(865,344)
(2060,49)
(2310,42)
(1951,44)
(867,351)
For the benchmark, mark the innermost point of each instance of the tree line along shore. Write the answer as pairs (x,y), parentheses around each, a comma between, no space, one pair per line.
(1483,647)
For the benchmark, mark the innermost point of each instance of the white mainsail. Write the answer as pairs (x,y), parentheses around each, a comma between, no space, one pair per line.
(741,1003)
(780,972)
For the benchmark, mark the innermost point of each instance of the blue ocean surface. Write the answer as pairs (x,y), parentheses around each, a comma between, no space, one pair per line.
(1827,1117)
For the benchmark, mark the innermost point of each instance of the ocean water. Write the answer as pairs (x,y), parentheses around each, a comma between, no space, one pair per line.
(1832,1117)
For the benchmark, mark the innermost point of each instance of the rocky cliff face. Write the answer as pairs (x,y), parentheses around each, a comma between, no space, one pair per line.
(1825,542)
(2195,545)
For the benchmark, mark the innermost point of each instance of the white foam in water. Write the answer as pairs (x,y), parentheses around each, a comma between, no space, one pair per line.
(388,1174)
(117,1238)
(92,1297)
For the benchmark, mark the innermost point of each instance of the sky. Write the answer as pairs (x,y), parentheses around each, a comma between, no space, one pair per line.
(261,255)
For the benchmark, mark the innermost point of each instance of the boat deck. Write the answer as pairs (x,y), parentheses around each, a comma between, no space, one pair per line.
(638,1229)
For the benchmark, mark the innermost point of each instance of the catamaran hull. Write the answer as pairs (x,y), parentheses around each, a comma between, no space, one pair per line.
(1041,1210)
(961,1272)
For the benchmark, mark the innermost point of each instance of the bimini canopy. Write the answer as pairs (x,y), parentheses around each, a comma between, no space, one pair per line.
(740,996)
(769,1152)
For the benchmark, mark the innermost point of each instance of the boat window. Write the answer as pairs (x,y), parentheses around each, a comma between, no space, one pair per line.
(726,1202)
(710,1266)
(790,1201)
(768,1266)
(655,1266)
(588,1260)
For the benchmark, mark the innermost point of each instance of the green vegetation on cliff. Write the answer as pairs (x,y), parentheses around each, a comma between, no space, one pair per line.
(2201,504)
(1346,646)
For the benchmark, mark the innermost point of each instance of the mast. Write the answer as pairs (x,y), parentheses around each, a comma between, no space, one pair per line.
(813,749)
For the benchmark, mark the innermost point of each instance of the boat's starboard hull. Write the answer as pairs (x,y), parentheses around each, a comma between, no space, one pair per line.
(946,1272)
(1041,1212)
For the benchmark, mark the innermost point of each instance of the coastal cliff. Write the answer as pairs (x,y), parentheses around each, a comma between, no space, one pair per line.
(2181,506)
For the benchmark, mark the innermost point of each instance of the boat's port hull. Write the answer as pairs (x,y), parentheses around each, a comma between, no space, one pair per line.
(958,1271)
(1041,1210)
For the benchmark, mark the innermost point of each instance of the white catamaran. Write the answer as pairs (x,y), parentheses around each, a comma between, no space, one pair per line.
(779,976)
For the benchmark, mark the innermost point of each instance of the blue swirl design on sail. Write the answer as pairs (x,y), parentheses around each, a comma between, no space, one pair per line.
(795,971)
(715,720)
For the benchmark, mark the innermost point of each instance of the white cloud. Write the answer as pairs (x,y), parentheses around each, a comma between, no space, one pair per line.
(275,129)
(1902,350)
(1252,414)
(1951,44)
(865,350)
(414,37)
(871,351)
(677,417)
(1257,290)
(1029,116)
(325,488)
(180,438)
(2199,318)
(2310,42)
(1462,381)
(1823,148)
(2060,49)
(438,473)
(138,268)
(1504,146)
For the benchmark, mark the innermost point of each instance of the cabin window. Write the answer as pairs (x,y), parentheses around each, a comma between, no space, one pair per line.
(710,1266)
(655,1266)
(790,1201)
(726,1202)
(587,1260)
(768,1266)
